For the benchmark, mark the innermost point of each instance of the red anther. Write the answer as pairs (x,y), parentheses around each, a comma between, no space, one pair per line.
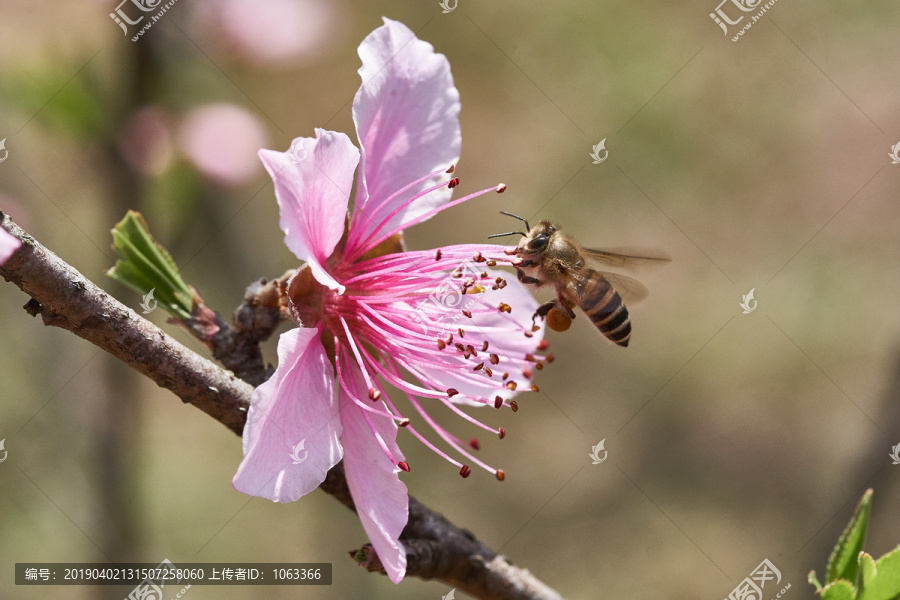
(484,346)
(465,471)
(459,347)
(539,366)
(452,392)
(492,263)
(494,359)
(543,345)
(484,274)
(404,422)
(449,338)
(478,367)
(502,433)
(498,401)
(437,255)
(528,334)
(471,350)
(505,376)
(374,395)
(403,466)
(478,257)
(466,356)
(549,358)
(535,328)
(527,373)
(488,371)
(467,313)
(451,169)
(456,274)
(499,279)
(517,261)
(453,182)
(501,188)
(502,284)
(474,443)
(441,344)
(504,307)
(464,290)
(534,388)
(529,357)
(510,252)
(511,385)
(500,475)
(461,332)
(514,405)
(495,287)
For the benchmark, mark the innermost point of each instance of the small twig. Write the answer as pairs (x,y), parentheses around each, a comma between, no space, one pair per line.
(435,548)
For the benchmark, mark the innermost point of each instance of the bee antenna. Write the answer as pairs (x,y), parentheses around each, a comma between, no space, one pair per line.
(507,233)
(509,214)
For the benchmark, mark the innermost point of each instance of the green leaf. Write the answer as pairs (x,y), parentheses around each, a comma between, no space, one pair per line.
(146,266)
(839,590)
(813,580)
(881,580)
(843,563)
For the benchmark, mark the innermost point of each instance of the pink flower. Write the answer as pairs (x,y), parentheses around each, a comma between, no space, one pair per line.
(440,326)
(8,245)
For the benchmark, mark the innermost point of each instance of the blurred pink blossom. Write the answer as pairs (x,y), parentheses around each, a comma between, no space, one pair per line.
(146,141)
(221,140)
(275,32)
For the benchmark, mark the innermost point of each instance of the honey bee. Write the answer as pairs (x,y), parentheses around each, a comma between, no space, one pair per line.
(546,256)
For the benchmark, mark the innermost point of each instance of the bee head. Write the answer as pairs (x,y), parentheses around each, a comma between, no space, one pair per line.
(537,239)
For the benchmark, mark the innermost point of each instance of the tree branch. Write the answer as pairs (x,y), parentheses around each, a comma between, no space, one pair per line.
(435,547)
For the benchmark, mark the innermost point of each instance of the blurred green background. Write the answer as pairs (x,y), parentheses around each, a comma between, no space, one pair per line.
(732,437)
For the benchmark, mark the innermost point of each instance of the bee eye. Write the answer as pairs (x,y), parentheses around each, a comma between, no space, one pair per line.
(538,243)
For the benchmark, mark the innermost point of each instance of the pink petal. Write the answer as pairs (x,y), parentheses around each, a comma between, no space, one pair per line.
(297,404)
(312,185)
(381,499)
(8,245)
(407,119)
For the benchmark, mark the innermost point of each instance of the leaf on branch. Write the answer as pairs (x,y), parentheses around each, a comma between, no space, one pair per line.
(146,266)
(880,580)
(843,563)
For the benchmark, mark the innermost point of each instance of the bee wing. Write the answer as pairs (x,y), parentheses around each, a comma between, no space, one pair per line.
(631,290)
(630,258)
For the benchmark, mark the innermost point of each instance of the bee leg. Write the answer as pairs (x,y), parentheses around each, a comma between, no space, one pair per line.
(567,308)
(542,311)
(526,279)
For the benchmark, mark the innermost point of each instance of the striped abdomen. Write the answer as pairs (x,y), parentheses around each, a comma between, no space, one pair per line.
(603,305)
